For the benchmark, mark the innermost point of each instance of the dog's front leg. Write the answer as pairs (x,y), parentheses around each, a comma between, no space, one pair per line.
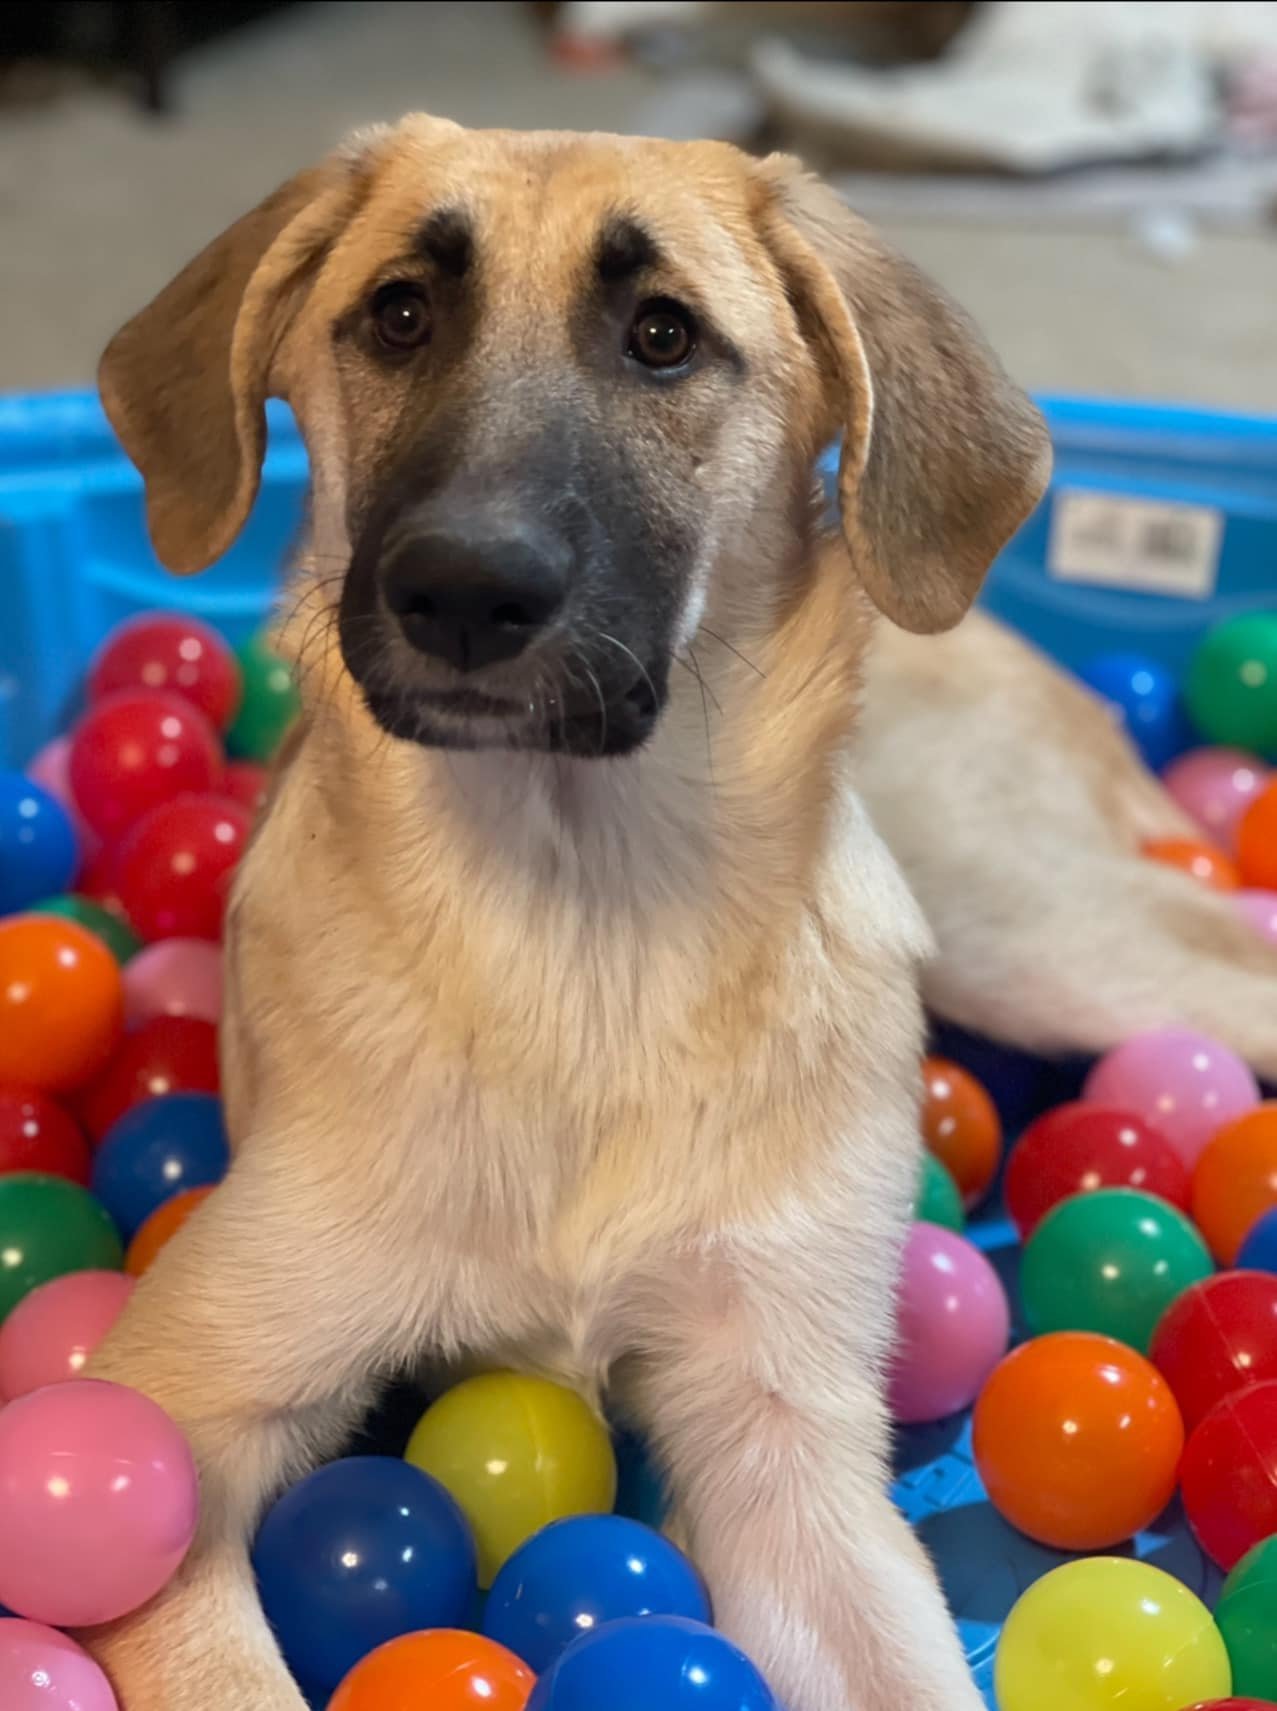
(761,1393)
(257,1329)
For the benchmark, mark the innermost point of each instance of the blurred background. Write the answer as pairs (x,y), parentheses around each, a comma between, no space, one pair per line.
(1096,180)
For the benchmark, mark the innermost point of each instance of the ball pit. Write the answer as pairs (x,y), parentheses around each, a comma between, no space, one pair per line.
(114,932)
(268,703)
(61,1003)
(1144,698)
(1235,1182)
(961,1126)
(135,750)
(953,1326)
(36,1134)
(638,1664)
(1228,1478)
(1219,1337)
(43,1670)
(156,1150)
(1216,786)
(39,852)
(49,1227)
(168,1054)
(174,652)
(1259,1251)
(174,977)
(175,867)
(51,1333)
(1078,1148)
(442,1670)
(1183,1083)
(1232,684)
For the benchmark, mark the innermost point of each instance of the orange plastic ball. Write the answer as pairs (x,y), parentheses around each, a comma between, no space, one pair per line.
(1235,1182)
(1203,861)
(61,1003)
(1078,1439)
(161,1227)
(442,1670)
(1257,842)
(961,1126)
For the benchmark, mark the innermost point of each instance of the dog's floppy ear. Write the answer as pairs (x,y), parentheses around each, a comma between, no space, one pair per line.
(185,382)
(943,457)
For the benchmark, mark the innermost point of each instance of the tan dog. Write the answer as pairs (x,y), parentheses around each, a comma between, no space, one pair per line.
(608,1065)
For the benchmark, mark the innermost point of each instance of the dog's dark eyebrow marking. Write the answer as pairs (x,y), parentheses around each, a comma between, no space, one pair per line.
(446,239)
(624,249)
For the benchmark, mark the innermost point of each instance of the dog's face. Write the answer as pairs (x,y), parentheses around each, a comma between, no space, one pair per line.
(557,391)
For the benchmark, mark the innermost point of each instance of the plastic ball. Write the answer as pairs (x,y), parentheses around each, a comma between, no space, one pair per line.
(647,1661)
(1260,909)
(1259,1251)
(247,783)
(1219,1337)
(114,932)
(42,1670)
(168,1054)
(98,1502)
(443,1670)
(1144,698)
(49,1227)
(1247,1618)
(36,1134)
(39,853)
(174,977)
(961,1126)
(136,749)
(1079,1148)
(97,882)
(1235,1182)
(1215,787)
(1228,1478)
(361,1552)
(1110,1262)
(1232,684)
(953,1325)
(1235,1705)
(1186,1085)
(1257,842)
(175,868)
(51,770)
(49,1336)
(1206,863)
(174,652)
(269,705)
(158,1149)
(938,1200)
(160,1228)
(61,1003)
(1077,1439)
(1107,1631)
(575,1575)
(516,1452)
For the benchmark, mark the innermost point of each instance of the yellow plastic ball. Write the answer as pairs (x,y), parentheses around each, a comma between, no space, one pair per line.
(516,1453)
(1104,1632)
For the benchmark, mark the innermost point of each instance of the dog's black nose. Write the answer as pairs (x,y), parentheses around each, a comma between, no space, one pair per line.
(475,601)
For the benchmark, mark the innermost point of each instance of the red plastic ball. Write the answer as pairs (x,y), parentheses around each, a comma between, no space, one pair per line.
(1219,1337)
(175,867)
(1078,1148)
(246,783)
(1228,1478)
(138,748)
(172,651)
(1234,1705)
(168,1054)
(37,1134)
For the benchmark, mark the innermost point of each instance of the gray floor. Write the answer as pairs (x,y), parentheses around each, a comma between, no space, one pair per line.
(99,205)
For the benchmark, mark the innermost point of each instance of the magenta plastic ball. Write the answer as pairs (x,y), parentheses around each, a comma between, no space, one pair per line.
(1184,1083)
(98,1503)
(174,977)
(51,1333)
(953,1326)
(1215,787)
(42,1670)
(1260,909)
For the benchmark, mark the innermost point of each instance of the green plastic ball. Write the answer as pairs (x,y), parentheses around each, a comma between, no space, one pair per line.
(1247,1618)
(269,703)
(48,1227)
(1232,684)
(1110,1262)
(118,937)
(938,1200)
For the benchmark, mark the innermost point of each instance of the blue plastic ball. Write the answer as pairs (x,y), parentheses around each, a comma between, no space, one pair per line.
(1259,1250)
(575,1575)
(1146,700)
(39,851)
(648,1661)
(361,1552)
(158,1149)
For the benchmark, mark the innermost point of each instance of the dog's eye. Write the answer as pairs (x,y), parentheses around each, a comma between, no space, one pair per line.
(401,316)
(662,335)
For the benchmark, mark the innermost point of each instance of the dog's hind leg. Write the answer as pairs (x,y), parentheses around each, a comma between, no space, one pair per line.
(1017,810)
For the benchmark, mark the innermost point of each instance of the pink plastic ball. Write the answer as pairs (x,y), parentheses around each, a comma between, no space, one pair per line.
(1184,1083)
(174,977)
(1216,786)
(51,1333)
(1260,909)
(98,1503)
(953,1326)
(51,769)
(42,1670)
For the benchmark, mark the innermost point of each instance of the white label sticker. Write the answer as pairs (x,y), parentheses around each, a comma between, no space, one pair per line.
(1148,546)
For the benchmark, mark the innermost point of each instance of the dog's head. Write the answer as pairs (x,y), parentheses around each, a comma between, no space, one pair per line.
(552,387)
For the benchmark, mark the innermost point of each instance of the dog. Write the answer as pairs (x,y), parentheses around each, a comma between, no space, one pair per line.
(573,1011)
